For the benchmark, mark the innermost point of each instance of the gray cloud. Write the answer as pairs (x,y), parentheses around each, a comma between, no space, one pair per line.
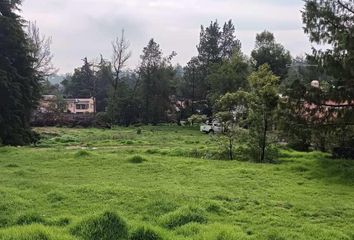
(86,27)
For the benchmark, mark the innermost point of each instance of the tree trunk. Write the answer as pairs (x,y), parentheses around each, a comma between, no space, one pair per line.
(230,149)
(264,139)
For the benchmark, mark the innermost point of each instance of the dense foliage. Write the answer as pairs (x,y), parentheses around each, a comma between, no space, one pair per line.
(19,84)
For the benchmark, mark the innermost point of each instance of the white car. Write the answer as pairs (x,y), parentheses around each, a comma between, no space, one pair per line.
(211,127)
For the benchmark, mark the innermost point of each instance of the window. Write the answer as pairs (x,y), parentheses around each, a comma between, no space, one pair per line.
(82,106)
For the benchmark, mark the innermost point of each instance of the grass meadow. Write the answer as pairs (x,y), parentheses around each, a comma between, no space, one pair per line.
(166,182)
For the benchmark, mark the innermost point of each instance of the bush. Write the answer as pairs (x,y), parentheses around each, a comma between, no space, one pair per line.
(183,216)
(102,120)
(145,233)
(137,159)
(139,131)
(107,226)
(34,138)
(343,152)
(30,218)
(198,119)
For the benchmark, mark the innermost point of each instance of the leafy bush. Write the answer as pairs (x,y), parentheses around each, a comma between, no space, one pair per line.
(136,159)
(197,119)
(145,233)
(63,119)
(102,120)
(139,131)
(106,226)
(183,216)
(30,218)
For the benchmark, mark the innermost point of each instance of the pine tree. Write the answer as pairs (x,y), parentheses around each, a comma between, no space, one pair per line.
(332,23)
(229,44)
(155,74)
(19,87)
(82,84)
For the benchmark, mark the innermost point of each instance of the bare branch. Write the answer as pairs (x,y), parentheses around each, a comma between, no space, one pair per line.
(40,51)
(121,55)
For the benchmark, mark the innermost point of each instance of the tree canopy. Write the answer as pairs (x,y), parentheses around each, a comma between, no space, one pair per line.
(268,51)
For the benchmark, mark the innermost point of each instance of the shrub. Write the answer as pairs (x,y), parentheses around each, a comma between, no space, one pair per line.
(139,131)
(137,159)
(34,138)
(106,226)
(145,233)
(343,152)
(30,218)
(197,119)
(102,120)
(183,216)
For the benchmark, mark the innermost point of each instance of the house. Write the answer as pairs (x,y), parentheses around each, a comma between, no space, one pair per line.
(49,103)
(81,105)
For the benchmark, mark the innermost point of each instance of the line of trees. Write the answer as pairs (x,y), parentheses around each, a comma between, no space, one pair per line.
(147,93)
(265,97)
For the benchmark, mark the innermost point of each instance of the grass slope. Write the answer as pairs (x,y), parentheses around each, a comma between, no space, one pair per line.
(165,185)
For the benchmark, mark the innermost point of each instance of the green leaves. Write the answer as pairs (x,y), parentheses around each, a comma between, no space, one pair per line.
(268,51)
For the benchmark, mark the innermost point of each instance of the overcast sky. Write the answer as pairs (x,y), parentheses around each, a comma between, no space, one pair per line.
(82,28)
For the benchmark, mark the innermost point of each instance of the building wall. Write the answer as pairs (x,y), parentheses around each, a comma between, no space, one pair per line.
(81,105)
(75,106)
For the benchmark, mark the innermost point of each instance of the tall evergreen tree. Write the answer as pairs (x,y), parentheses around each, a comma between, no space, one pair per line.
(216,46)
(268,51)
(229,44)
(82,84)
(209,45)
(104,79)
(19,87)
(231,76)
(155,74)
(194,85)
(332,23)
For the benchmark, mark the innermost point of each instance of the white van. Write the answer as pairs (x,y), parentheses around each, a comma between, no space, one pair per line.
(211,127)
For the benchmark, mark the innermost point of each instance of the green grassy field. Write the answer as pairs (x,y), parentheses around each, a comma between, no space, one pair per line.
(167,180)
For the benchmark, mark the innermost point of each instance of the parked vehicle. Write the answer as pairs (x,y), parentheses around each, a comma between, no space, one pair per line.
(211,127)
